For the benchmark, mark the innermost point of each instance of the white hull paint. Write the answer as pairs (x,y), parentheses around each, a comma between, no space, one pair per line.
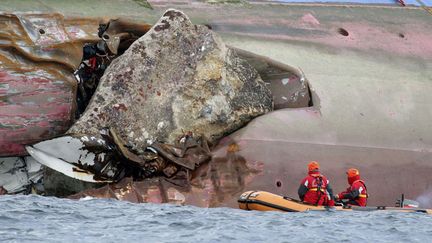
(62,166)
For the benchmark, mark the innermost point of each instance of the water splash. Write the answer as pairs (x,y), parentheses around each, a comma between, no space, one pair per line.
(425,199)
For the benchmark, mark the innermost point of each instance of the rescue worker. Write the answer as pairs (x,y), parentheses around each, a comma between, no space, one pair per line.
(356,193)
(315,188)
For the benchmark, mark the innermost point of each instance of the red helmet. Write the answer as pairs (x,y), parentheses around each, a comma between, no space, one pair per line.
(353,175)
(313,166)
(353,172)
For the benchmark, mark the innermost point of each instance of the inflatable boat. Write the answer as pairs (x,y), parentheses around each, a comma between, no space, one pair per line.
(266,201)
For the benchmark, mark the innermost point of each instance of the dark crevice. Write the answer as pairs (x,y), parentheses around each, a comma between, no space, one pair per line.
(98,55)
(288,85)
(343,32)
(310,104)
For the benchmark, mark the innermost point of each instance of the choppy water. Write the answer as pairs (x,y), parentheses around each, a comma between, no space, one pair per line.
(35,218)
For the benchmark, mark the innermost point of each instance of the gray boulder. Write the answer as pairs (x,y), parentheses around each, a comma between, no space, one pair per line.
(178,77)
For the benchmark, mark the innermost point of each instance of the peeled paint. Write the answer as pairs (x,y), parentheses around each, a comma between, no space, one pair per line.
(38,54)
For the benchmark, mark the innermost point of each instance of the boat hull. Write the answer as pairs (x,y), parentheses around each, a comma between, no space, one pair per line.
(361,116)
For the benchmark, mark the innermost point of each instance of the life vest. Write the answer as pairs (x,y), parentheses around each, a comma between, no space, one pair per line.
(362,198)
(317,189)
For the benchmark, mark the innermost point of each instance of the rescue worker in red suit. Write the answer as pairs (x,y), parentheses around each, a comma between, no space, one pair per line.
(315,188)
(356,193)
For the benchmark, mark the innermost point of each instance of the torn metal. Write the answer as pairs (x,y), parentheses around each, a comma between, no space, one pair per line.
(21,175)
(108,160)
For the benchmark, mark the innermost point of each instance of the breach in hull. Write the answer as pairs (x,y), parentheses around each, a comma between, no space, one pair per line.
(108,156)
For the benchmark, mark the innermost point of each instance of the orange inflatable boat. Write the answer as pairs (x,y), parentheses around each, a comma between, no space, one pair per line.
(266,201)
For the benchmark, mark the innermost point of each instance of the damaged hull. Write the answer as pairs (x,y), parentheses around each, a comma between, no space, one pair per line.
(63,167)
(20,175)
(371,106)
(38,55)
(37,87)
(38,90)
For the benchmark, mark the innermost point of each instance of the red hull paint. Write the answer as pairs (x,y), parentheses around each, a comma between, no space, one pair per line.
(33,108)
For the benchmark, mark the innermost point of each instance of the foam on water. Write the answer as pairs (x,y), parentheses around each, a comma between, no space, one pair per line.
(35,218)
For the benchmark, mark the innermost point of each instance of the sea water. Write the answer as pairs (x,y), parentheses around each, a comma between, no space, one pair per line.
(48,219)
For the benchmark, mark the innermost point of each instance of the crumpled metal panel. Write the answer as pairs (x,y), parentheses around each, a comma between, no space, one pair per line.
(38,53)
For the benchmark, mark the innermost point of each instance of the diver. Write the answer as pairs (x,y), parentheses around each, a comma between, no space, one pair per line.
(315,188)
(356,193)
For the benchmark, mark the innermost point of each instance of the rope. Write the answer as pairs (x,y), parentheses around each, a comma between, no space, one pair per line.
(425,7)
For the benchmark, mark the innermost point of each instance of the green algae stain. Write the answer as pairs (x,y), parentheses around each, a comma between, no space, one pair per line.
(10,126)
(143,3)
(225,1)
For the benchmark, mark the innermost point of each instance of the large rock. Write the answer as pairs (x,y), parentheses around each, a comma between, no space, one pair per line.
(177,77)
